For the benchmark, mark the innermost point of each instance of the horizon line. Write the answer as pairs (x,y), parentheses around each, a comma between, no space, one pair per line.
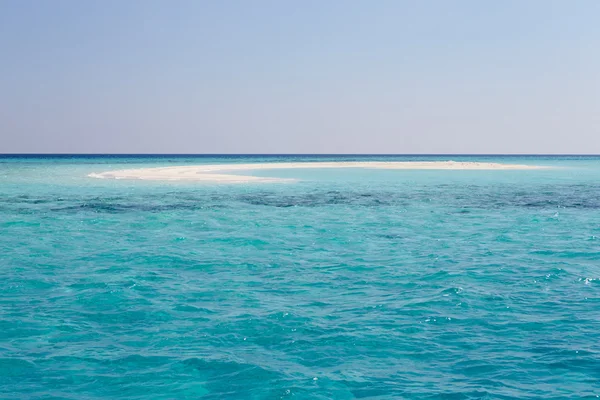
(304,154)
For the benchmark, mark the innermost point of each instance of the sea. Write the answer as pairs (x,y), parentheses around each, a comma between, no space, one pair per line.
(345,284)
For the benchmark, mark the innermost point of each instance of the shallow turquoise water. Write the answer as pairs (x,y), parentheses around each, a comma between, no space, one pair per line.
(347,284)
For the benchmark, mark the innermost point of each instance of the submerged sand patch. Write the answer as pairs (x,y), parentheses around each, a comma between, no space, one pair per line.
(213,173)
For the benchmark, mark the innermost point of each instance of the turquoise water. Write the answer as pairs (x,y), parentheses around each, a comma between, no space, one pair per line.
(347,284)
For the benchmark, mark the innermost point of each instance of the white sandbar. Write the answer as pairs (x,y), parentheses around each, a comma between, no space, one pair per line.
(211,173)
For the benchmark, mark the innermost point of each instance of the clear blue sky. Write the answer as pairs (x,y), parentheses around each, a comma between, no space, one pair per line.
(316,76)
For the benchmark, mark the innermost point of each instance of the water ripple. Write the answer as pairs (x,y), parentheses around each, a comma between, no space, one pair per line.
(397,290)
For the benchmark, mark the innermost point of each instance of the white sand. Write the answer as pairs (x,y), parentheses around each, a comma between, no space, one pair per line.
(208,173)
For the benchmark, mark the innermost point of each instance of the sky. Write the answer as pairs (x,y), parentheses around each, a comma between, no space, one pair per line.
(313,76)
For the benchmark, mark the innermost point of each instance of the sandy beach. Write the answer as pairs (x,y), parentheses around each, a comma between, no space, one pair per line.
(214,173)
